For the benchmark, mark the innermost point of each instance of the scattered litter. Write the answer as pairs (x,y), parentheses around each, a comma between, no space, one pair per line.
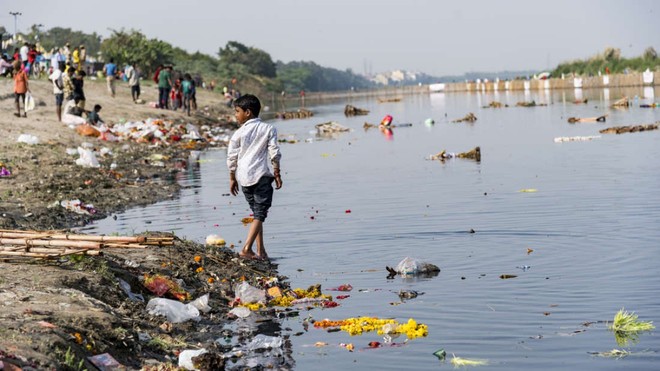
(629,129)
(240,312)
(330,127)
(4,172)
(360,325)
(175,311)
(528,190)
(470,117)
(440,353)
(614,353)
(473,154)
(247,220)
(345,287)
(78,207)
(87,158)
(265,342)
(507,276)
(215,240)
(127,289)
(577,138)
(354,111)
(387,120)
(573,120)
(409,294)
(186,356)
(429,121)
(348,346)
(530,104)
(411,266)
(524,268)
(464,362)
(623,102)
(320,344)
(249,294)
(161,285)
(105,362)
(28,139)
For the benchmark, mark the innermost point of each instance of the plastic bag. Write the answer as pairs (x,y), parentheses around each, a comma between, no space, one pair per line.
(407,266)
(186,356)
(265,342)
(202,303)
(87,158)
(249,294)
(29,102)
(27,139)
(175,311)
(240,312)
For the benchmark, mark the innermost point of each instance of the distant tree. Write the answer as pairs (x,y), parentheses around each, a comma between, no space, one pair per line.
(612,54)
(57,37)
(650,53)
(133,46)
(237,60)
(309,76)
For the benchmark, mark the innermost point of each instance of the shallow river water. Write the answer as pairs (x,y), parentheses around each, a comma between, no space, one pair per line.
(593,224)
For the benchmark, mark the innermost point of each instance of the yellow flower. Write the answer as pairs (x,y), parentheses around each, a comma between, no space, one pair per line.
(198,258)
(199,270)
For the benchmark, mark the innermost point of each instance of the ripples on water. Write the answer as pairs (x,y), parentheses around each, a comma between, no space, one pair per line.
(593,225)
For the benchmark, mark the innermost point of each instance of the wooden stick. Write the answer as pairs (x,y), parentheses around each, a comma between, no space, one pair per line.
(124,245)
(29,242)
(75,237)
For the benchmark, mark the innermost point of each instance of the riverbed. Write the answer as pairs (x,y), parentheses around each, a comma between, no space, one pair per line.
(577,223)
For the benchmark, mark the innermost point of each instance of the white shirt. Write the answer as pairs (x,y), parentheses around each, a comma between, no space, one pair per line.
(249,149)
(24,52)
(56,76)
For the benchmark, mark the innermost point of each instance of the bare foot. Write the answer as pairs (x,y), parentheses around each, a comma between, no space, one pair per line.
(247,254)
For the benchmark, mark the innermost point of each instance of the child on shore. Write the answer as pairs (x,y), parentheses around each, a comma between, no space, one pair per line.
(249,150)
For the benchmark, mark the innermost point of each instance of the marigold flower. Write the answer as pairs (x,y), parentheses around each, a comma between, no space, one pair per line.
(198,258)
(211,280)
(199,270)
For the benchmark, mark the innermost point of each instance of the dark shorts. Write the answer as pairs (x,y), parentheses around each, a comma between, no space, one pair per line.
(260,197)
(20,96)
(59,98)
(135,89)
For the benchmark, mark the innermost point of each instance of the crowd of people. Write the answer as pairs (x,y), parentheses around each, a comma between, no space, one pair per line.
(67,69)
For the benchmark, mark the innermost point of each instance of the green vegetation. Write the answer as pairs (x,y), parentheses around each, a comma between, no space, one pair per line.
(69,360)
(611,60)
(236,65)
(626,327)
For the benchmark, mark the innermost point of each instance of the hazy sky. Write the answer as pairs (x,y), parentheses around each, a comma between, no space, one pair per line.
(432,36)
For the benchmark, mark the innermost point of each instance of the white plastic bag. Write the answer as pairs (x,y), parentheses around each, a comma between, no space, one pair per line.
(202,303)
(249,294)
(175,311)
(407,266)
(29,102)
(241,312)
(28,139)
(265,342)
(87,158)
(186,356)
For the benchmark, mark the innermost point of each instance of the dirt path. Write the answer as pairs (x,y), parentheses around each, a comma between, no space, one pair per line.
(57,313)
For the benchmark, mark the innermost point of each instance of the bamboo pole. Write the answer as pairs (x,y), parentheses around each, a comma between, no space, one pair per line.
(124,245)
(74,237)
(30,242)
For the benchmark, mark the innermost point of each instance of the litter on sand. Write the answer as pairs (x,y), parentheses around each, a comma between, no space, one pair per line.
(577,139)
(614,353)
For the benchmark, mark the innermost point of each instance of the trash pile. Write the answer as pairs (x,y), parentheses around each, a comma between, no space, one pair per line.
(158,132)
(470,117)
(354,111)
(629,129)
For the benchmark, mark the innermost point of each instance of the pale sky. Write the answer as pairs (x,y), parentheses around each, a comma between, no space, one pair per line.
(435,37)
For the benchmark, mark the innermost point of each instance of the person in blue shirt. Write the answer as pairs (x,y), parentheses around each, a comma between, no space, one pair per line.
(110,70)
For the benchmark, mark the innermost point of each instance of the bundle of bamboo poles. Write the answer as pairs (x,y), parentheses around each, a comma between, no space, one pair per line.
(54,244)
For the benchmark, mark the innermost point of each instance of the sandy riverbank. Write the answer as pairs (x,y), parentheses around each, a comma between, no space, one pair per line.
(57,313)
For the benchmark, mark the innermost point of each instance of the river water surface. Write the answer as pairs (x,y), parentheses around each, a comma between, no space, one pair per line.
(593,224)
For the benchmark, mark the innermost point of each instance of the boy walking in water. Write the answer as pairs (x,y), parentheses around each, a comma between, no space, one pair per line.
(250,148)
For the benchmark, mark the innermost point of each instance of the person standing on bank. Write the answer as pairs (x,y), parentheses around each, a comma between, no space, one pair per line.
(250,148)
(110,70)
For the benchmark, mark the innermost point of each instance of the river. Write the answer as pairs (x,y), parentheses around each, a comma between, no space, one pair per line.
(583,238)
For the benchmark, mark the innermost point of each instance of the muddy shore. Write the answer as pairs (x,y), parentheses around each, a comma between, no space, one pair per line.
(56,313)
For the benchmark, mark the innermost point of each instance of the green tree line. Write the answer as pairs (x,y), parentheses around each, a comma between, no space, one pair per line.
(251,68)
